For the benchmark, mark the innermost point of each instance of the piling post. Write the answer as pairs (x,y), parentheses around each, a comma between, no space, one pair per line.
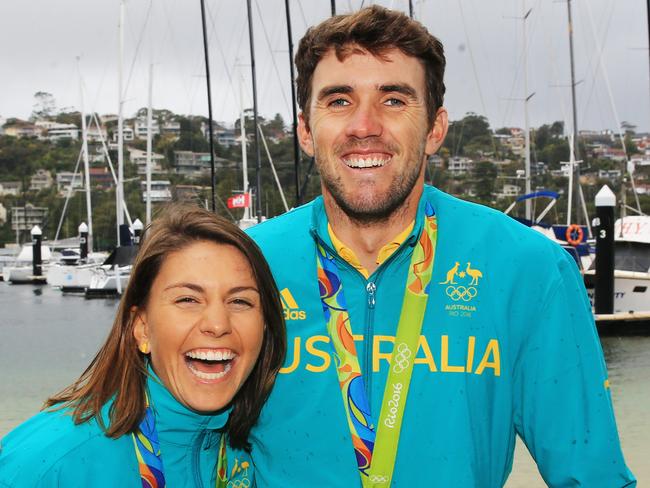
(137,231)
(37,261)
(604,293)
(83,241)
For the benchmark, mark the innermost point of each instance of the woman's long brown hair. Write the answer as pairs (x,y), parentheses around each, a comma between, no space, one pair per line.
(119,371)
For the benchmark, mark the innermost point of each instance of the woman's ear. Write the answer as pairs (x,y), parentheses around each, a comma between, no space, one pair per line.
(140,329)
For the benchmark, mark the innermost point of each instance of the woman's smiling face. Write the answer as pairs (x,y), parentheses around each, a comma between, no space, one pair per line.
(203,323)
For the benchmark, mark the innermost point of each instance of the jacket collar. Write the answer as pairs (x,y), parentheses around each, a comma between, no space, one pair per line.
(319,220)
(175,422)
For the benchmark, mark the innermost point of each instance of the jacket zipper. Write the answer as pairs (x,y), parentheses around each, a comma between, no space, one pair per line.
(196,459)
(371,291)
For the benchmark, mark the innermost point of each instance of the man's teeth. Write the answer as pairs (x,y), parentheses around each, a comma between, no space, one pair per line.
(373,162)
(222,355)
(211,376)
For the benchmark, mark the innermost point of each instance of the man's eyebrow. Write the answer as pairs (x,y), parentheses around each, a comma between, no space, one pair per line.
(333,89)
(402,88)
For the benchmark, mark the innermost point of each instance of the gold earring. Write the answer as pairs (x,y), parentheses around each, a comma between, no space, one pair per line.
(144,348)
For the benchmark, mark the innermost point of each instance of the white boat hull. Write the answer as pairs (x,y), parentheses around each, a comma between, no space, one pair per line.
(107,281)
(631,291)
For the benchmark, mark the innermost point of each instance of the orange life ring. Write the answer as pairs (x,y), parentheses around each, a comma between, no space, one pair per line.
(574,230)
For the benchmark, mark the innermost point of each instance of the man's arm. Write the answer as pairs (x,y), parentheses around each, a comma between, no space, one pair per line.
(563,408)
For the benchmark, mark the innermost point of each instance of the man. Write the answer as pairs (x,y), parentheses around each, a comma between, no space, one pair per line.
(424,332)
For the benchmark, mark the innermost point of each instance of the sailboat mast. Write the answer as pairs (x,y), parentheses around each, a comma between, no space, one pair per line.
(207,77)
(149,141)
(119,190)
(574,141)
(258,200)
(294,125)
(527,128)
(244,154)
(84,149)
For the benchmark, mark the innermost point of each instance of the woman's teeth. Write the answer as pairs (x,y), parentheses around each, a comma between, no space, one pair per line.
(210,364)
(210,376)
(219,355)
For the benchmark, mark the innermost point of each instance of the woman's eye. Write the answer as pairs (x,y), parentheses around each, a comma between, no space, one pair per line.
(185,300)
(241,303)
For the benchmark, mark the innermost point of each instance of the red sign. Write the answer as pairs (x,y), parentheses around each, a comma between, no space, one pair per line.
(240,201)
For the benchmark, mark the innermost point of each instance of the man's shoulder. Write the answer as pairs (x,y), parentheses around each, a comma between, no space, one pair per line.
(51,443)
(295,219)
(478,226)
(289,232)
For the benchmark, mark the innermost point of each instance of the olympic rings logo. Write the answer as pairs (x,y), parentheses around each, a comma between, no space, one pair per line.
(244,483)
(376,478)
(402,358)
(460,293)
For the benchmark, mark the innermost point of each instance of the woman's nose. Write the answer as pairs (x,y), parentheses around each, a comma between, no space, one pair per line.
(215,320)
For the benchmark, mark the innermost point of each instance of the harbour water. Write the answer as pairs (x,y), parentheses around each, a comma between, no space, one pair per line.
(47,340)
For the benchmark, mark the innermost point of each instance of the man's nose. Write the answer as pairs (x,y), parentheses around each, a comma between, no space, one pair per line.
(364,122)
(215,320)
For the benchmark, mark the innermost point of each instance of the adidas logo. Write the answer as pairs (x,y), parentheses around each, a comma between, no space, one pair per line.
(290,306)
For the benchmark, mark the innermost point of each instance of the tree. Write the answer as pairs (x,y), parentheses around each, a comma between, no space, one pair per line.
(462,132)
(45,106)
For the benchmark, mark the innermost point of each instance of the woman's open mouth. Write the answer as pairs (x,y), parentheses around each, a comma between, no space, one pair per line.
(210,364)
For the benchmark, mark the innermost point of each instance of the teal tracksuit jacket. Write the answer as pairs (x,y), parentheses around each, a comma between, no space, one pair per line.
(508,346)
(48,450)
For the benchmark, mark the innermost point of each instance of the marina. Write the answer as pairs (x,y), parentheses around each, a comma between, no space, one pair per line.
(48,339)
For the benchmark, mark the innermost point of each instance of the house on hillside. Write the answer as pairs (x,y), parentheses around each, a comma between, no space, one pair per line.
(67,179)
(196,165)
(10,188)
(3,214)
(460,165)
(41,180)
(21,128)
(24,218)
(139,157)
(160,191)
(101,178)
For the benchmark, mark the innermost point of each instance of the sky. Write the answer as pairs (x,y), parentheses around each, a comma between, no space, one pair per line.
(483,39)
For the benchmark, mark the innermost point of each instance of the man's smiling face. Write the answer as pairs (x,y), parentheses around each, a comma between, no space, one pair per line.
(368,131)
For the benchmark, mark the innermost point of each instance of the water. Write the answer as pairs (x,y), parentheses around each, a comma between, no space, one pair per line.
(47,340)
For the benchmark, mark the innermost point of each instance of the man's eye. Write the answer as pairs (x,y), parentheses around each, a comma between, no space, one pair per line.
(394,102)
(339,102)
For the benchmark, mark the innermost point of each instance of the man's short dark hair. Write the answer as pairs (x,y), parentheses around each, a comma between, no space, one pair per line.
(374,29)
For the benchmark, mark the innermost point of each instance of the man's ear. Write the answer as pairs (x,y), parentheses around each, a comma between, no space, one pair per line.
(304,135)
(436,135)
(140,326)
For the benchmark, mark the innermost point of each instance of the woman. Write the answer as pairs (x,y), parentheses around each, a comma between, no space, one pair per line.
(172,395)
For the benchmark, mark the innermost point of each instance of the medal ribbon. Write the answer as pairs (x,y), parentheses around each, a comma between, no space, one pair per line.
(376,448)
(147,451)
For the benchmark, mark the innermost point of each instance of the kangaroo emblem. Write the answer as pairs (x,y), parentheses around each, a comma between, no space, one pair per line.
(450,275)
(474,273)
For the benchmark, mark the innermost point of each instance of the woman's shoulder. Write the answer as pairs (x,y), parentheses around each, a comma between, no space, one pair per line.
(49,449)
